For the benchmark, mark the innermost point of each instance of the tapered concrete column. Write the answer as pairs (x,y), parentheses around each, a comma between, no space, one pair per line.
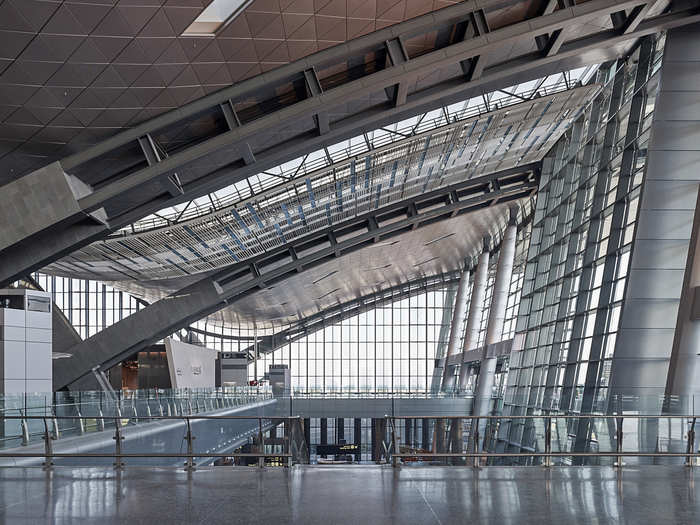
(458,316)
(476,309)
(656,349)
(494,329)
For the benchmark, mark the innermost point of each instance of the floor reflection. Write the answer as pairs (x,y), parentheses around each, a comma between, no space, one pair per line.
(351,494)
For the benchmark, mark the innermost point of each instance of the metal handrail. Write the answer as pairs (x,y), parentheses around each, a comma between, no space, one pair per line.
(547,454)
(49,436)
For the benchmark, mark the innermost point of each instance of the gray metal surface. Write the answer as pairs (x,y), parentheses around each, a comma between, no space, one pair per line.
(650,335)
(138,188)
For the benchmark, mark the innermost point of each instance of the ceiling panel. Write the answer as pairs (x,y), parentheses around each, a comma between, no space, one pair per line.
(110,64)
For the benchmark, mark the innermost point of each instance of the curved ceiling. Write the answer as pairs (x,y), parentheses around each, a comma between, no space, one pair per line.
(460,150)
(430,250)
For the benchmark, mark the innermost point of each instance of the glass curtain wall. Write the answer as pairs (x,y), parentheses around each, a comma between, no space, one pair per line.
(582,230)
(90,306)
(391,347)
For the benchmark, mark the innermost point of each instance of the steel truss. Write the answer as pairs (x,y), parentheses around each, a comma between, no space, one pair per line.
(149,177)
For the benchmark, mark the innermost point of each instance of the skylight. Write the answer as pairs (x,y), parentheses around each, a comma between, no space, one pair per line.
(216,15)
(294,171)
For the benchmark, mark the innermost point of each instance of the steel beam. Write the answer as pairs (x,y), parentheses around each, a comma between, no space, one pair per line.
(214,292)
(425,64)
(134,195)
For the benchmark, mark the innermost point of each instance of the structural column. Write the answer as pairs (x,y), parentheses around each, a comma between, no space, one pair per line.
(378,438)
(425,434)
(324,432)
(408,432)
(458,315)
(476,309)
(494,329)
(307,434)
(656,350)
(339,430)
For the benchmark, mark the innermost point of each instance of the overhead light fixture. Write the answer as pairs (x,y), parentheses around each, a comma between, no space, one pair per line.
(439,238)
(324,277)
(385,244)
(216,15)
(377,268)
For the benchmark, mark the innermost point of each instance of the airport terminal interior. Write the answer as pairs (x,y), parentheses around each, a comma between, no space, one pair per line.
(349,261)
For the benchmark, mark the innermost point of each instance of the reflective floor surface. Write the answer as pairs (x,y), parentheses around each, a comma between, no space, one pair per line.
(351,494)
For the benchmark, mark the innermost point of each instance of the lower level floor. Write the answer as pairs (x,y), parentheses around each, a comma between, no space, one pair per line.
(351,494)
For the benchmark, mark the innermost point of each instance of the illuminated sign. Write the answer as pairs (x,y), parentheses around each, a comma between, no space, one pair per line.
(337,450)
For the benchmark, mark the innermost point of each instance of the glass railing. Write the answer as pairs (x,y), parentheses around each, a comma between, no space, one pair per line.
(77,413)
(199,439)
(455,439)
(613,404)
(546,440)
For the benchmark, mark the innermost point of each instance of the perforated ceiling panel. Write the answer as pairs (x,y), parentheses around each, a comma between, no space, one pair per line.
(454,152)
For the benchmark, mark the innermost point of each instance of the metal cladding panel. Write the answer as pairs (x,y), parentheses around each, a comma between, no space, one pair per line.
(13,363)
(665,244)
(35,202)
(190,366)
(655,284)
(659,254)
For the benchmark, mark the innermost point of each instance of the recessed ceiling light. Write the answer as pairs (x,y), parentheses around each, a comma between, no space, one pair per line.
(216,15)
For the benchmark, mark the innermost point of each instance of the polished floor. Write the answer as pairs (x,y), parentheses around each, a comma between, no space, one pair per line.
(351,494)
